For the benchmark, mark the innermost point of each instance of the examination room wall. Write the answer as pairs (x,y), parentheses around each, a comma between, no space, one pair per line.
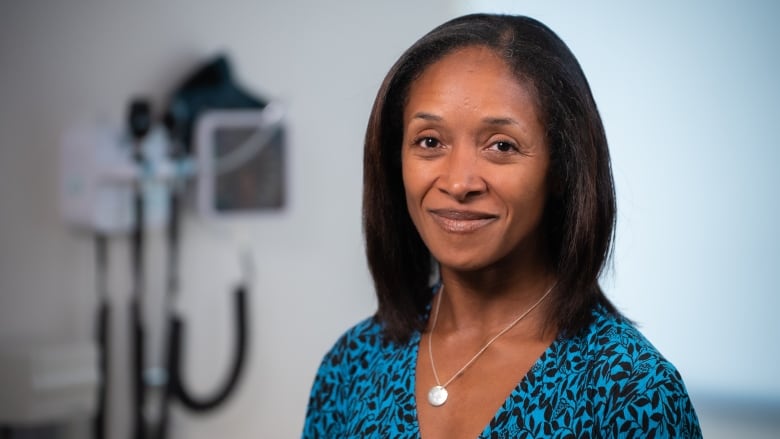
(688,96)
(76,61)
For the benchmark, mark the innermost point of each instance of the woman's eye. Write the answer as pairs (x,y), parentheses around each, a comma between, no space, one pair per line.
(428,142)
(504,146)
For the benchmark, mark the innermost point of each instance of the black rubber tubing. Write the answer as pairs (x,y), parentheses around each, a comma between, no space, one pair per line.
(203,404)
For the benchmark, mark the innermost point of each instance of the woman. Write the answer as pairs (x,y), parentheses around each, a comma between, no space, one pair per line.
(486,162)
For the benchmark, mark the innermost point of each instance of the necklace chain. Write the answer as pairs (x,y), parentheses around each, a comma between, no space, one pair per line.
(440,389)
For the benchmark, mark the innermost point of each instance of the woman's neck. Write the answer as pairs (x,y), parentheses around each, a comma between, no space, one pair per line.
(487,300)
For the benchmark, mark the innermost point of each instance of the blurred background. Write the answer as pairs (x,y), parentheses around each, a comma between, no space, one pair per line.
(687,92)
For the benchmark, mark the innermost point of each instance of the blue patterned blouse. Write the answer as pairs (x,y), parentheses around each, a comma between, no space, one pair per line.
(608,382)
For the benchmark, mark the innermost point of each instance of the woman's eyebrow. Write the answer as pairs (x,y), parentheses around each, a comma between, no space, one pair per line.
(427,116)
(500,121)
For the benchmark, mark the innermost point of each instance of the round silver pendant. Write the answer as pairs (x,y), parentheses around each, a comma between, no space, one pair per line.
(437,396)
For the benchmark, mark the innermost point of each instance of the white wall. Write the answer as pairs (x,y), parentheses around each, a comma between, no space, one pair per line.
(79,60)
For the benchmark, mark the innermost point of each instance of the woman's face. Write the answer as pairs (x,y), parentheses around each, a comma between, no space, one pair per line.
(475,162)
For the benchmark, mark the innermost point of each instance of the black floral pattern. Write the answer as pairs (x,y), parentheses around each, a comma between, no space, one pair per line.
(608,382)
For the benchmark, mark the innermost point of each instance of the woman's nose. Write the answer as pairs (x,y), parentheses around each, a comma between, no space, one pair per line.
(461,177)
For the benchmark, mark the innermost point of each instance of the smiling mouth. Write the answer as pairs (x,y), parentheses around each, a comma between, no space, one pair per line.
(461,221)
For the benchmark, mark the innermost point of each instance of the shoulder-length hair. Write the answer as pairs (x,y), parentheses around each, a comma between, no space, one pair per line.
(580,212)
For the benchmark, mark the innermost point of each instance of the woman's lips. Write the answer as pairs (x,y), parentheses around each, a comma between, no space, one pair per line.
(461,221)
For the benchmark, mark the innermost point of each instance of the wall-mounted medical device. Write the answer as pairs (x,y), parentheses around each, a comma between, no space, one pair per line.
(224,145)
(216,145)
(240,156)
(237,169)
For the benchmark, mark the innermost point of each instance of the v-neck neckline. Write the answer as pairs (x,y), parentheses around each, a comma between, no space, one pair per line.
(518,390)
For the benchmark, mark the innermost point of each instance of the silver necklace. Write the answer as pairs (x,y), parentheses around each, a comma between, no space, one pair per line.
(438,394)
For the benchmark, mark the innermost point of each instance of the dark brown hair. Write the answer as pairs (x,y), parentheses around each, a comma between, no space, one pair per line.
(580,212)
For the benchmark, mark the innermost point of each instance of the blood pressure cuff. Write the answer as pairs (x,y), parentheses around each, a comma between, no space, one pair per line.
(211,86)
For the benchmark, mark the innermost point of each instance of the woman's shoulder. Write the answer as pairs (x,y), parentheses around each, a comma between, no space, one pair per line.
(615,351)
(636,385)
(332,387)
(612,336)
(365,335)
(362,343)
